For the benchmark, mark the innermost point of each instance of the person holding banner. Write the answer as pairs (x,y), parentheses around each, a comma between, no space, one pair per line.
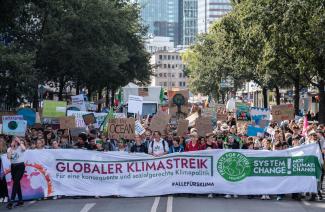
(158,146)
(16,156)
(138,146)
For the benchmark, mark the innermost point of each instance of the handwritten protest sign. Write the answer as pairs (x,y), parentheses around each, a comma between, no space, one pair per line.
(259,114)
(122,128)
(282,112)
(243,111)
(135,104)
(221,112)
(54,109)
(139,129)
(14,125)
(67,122)
(203,125)
(159,122)
(79,101)
(182,127)
(178,100)
(89,118)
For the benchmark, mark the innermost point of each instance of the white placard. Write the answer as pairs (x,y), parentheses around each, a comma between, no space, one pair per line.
(135,104)
(79,101)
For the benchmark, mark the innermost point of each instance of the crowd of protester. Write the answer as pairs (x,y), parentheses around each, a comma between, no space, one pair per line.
(226,135)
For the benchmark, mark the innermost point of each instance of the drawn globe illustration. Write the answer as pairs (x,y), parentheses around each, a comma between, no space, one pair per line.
(234,167)
(12,125)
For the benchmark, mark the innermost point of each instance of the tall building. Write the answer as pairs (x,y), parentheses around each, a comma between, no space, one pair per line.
(161,17)
(169,70)
(209,11)
(188,19)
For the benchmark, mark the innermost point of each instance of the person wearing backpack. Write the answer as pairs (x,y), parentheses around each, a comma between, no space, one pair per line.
(158,146)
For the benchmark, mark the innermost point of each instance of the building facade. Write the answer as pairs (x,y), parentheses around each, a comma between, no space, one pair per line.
(161,17)
(211,10)
(188,13)
(168,70)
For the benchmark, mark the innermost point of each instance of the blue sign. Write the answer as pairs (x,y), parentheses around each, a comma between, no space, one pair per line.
(28,114)
(253,131)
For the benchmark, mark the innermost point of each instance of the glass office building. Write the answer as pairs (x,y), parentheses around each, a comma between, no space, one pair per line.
(161,17)
(188,19)
(211,10)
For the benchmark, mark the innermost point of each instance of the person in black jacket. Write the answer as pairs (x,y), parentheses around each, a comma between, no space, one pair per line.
(138,146)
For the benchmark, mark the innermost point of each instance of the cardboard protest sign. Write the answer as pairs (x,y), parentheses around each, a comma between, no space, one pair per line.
(159,122)
(203,125)
(54,109)
(182,127)
(139,129)
(191,119)
(79,102)
(89,118)
(258,114)
(254,131)
(14,125)
(122,128)
(178,103)
(67,122)
(135,104)
(282,112)
(222,114)
(243,111)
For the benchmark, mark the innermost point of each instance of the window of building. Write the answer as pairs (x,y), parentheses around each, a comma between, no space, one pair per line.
(165,74)
(173,66)
(180,84)
(173,57)
(165,84)
(168,57)
(160,57)
(165,57)
(160,74)
(173,84)
(176,57)
(168,66)
(173,75)
(180,75)
(160,84)
(165,66)
(168,74)
(184,84)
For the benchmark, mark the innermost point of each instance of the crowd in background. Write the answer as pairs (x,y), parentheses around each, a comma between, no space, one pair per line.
(226,135)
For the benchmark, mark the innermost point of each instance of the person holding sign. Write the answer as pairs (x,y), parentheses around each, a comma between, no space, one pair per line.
(16,156)
(158,147)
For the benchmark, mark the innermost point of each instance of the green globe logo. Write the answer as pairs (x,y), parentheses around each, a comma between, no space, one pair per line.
(233,166)
(12,125)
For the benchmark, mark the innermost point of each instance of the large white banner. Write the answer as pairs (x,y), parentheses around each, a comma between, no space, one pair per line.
(90,173)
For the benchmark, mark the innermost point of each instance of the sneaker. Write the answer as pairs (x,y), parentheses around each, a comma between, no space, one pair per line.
(267,197)
(263,197)
(210,196)
(55,198)
(9,206)
(279,198)
(228,196)
(236,196)
(5,199)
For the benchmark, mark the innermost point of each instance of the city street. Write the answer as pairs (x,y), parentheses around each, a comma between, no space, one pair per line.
(168,204)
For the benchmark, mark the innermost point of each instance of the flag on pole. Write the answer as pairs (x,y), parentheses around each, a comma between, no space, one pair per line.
(109,116)
(161,96)
(119,96)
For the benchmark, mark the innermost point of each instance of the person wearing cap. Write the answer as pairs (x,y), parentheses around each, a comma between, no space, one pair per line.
(193,144)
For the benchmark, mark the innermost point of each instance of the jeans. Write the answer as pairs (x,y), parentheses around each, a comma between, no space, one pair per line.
(17,173)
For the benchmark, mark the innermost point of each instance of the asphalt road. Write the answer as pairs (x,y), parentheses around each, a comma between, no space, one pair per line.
(169,204)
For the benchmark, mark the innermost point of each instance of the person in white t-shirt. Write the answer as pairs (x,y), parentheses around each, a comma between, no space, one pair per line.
(16,156)
(158,146)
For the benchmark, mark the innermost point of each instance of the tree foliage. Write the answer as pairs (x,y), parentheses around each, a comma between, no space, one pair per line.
(91,44)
